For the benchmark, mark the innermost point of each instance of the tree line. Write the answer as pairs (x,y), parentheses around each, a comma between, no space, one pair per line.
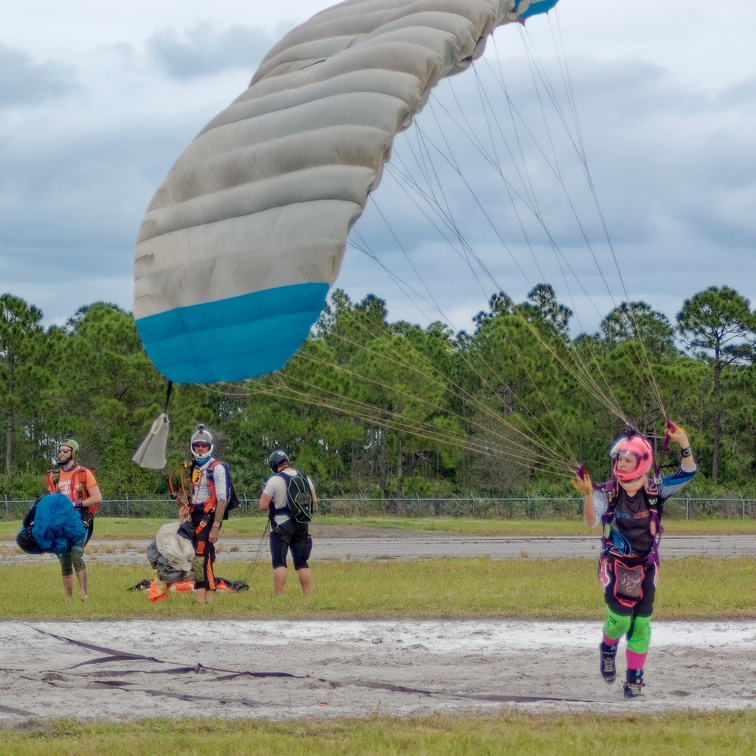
(389,409)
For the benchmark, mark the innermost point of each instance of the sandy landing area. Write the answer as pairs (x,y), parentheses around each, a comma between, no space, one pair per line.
(312,669)
(286,670)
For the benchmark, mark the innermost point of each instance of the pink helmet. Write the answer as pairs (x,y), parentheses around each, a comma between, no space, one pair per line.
(641,449)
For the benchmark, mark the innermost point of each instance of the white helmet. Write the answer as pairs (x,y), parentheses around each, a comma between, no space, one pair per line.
(202,436)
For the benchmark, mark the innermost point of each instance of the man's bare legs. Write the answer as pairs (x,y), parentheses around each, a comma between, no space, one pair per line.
(203,596)
(279,580)
(83,579)
(304,580)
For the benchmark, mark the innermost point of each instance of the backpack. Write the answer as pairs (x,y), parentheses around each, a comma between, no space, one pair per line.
(233,500)
(298,497)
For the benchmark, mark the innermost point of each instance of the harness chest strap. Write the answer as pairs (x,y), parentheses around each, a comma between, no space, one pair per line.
(608,516)
(210,504)
(78,484)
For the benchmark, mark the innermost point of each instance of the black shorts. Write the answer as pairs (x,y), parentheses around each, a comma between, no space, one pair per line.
(300,546)
(645,604)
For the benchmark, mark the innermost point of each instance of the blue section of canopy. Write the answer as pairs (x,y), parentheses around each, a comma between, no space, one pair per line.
(57,525)
(232,339)
(538,6)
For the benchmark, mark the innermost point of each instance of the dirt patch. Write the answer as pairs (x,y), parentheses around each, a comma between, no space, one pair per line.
(287,670)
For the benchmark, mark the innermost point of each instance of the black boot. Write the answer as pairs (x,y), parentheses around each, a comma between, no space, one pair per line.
(634,683)
(608,667)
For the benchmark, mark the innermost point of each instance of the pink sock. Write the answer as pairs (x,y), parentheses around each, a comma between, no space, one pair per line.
(635,660)
(610,641)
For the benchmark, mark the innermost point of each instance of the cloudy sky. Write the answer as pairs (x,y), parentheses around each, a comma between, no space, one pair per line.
(97,101)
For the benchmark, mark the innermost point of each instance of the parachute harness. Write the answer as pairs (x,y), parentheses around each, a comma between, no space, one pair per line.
(652,489)
(181,471)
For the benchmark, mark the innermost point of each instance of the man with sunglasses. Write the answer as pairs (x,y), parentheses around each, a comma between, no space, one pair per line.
(79,485)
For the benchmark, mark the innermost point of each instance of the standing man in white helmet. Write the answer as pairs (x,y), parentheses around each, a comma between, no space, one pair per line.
(80,486)
(206,508)
(288,497)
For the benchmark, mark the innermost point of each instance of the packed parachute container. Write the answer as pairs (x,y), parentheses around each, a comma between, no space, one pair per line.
(51,526)
(171,555)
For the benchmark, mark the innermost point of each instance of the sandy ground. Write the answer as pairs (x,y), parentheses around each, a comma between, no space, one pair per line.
(286,670)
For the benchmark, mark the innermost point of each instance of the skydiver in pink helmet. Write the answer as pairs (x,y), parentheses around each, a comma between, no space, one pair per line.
(629,506)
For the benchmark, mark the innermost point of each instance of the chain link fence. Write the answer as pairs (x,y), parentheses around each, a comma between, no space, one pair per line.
(528,508)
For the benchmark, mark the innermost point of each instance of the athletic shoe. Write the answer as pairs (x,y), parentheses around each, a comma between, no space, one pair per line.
(634,683)
(608,667)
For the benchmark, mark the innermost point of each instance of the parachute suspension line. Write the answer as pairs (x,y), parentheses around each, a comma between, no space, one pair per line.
(533,382)
(413,426)
(529,187)
(518,160)
(476,143)
(256,559)
(445,212)
(405,181)
(168,396)
(407,257)
(406,362)
(643,360)
(567,80)
(557,175)
(612,406)
(487,410)
(536,214)
(364,248)
(285,391)
(588,381)
(411,363)
(426,166)
(471,132)
(537,90)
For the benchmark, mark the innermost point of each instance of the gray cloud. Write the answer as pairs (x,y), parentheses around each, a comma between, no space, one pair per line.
(673,165)
(203,50)
(674,170)
(23,82)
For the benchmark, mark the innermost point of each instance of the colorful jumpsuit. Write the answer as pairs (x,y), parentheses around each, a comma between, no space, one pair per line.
(629,564)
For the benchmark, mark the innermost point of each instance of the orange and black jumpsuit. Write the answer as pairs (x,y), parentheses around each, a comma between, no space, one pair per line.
(209,486)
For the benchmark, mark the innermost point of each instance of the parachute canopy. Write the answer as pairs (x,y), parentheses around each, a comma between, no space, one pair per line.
(51,526)
(243,239)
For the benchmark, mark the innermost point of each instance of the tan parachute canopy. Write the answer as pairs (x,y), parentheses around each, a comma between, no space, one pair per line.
(247,232)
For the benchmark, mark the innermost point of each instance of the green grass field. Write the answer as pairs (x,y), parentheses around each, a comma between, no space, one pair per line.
(693,588)
(699,588)
(583,734)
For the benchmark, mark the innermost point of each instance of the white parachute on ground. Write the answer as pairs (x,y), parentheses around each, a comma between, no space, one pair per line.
(243,239)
